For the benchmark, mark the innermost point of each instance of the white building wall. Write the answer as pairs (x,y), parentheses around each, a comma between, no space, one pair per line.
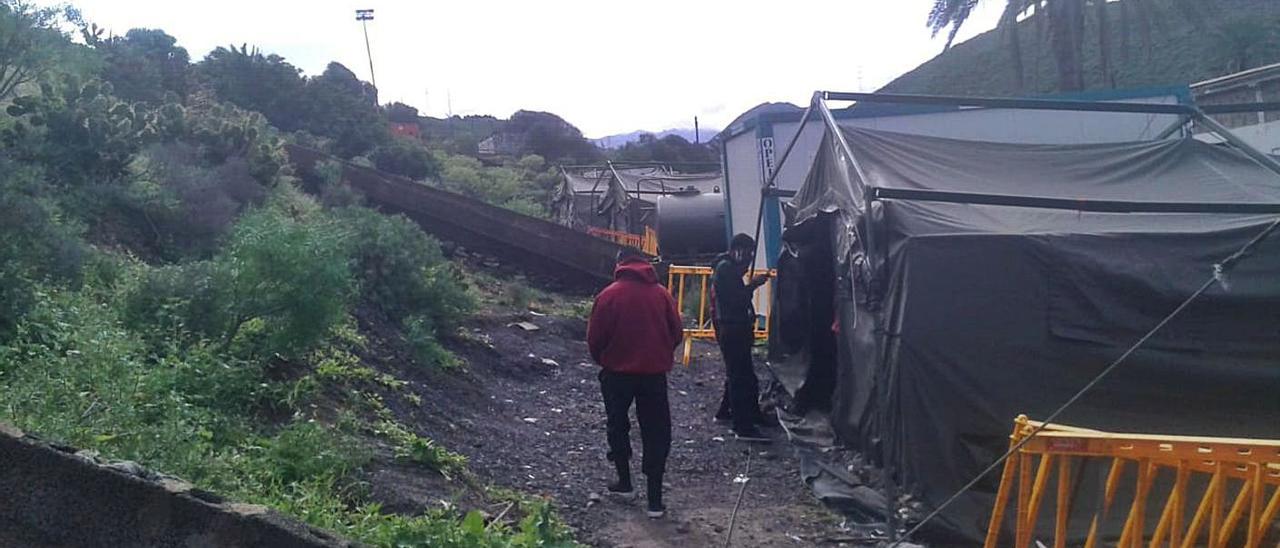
(743,186)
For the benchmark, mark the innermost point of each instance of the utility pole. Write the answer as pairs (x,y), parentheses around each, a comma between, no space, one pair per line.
(697,137)
(364,16)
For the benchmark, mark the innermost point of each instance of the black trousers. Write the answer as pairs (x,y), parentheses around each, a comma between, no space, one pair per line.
(742,387)
(649,392)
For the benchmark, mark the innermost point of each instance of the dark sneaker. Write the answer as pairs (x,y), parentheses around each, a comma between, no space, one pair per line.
(752,434)
(622,491)
(656,510)
(768,421)
(724,417)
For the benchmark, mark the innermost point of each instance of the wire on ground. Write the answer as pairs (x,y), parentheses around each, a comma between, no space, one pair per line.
(733,518)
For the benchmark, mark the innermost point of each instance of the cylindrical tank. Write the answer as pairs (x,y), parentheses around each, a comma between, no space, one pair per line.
(691,224)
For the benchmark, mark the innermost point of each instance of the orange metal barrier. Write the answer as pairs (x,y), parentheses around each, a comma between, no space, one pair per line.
(1249,467)
(678,281)
(648,243)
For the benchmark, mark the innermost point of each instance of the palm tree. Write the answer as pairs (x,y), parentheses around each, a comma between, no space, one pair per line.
(1064,23)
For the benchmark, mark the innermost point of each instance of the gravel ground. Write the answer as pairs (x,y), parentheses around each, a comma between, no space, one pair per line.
(528,415)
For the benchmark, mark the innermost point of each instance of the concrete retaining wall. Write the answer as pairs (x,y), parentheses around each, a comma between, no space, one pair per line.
(54,497)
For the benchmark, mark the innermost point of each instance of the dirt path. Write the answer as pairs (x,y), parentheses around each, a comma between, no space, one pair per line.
(528,416)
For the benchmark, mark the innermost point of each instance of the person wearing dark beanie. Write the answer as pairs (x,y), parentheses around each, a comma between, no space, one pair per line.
(734,318)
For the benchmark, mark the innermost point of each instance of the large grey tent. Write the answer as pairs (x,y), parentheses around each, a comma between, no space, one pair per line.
(931,290)
(622,197)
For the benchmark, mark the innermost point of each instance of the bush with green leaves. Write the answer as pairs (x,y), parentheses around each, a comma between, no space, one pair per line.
(80,132)
(283,280)
(280,286)
(306,451)
(402,270)
(224,131)
(405,157)
(35,246)
(334,190)
(522,187)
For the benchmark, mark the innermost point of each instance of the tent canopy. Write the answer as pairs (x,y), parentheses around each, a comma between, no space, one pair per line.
(954,314)
(604,195)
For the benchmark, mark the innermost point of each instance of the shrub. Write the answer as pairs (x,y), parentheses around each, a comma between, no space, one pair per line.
(35,245)
(334,191)
(176,203)
(526,206)
(282,283)
(402,270)
(405,157)
(224,131)
(289,274)
(306,451)
(519,295)
(423,338)
(82,133)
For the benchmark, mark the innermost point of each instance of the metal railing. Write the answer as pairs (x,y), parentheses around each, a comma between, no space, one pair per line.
(678,281)
(648,243)
(1249,467)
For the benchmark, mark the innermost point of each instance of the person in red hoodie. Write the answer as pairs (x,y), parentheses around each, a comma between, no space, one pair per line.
(633,333)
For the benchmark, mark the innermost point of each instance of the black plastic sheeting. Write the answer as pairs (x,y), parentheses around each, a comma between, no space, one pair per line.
(951,319)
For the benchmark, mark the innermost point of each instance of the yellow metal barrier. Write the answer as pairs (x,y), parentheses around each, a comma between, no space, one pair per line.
(648,243)
(678,281)
(1252,466)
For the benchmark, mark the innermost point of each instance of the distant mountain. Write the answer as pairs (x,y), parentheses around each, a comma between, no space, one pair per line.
(617,141)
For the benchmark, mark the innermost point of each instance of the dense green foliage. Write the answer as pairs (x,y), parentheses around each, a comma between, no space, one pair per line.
(523,186)
(335,105)
(83,133)
(31,43)
(144,65)
(1172,49)
(168,295)
(550,137)
(407,158)
(671,148)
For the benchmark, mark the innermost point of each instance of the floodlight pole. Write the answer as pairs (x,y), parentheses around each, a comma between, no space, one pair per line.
(364,16)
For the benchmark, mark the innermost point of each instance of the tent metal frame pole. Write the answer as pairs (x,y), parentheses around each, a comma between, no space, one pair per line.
(1072,204)
(804,122)
(777,168)
(1174,127)
(834,128)
(1230,137)
(1008,103)
(626,164)
(891,484)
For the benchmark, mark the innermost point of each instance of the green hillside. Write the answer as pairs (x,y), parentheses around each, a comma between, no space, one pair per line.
(1181,50)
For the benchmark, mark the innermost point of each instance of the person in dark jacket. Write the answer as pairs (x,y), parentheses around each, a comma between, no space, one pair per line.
(633,333)
(734,318)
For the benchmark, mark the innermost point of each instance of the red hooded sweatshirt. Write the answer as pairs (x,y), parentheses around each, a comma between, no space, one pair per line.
(634,326)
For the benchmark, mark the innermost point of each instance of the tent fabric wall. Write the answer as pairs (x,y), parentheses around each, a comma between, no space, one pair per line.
(954,318)
(744,139)
(622,198)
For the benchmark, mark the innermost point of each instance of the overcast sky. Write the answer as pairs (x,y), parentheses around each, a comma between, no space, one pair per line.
(606,66)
